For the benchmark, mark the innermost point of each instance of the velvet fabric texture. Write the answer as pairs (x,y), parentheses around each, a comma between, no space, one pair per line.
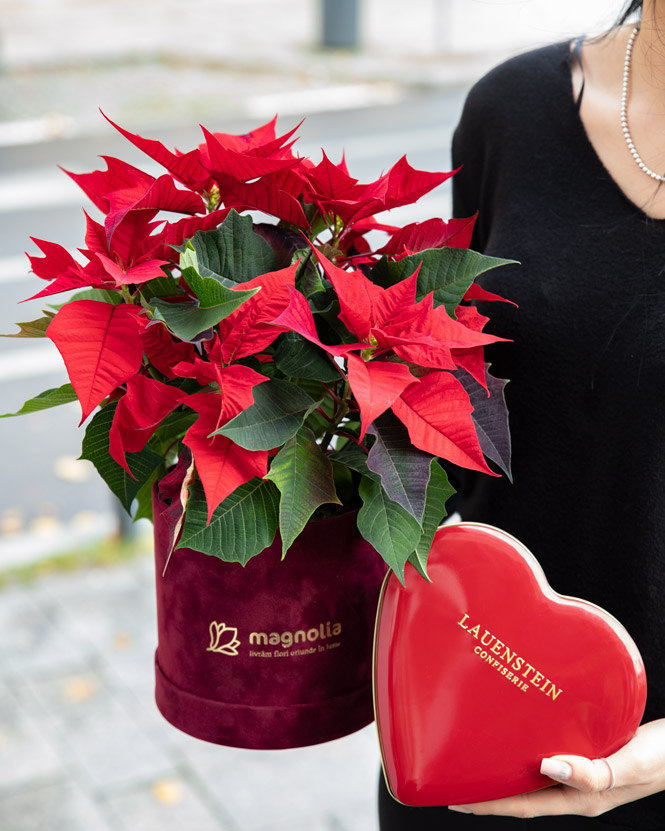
(274,654)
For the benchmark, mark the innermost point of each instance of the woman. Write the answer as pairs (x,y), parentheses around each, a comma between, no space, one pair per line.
(576,194)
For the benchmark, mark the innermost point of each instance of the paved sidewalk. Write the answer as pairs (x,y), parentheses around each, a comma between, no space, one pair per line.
(83,747)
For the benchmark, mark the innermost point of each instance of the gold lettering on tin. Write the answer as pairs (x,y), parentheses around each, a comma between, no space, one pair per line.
(510,663)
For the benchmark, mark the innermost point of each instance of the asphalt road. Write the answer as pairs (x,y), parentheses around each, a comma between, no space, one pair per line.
(43,491)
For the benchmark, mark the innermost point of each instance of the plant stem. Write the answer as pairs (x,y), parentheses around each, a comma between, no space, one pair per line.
(352,438)
(325,415)
(327,438)
(341,409)
(330,392)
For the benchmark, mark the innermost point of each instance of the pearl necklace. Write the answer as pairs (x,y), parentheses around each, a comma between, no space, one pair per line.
(624,104)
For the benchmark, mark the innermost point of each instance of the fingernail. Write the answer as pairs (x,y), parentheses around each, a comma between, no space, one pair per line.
(555,769)
(461,808)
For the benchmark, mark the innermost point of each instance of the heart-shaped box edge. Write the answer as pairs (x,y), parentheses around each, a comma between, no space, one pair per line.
(547,591)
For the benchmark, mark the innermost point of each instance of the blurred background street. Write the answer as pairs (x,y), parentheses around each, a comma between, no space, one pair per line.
(81,743)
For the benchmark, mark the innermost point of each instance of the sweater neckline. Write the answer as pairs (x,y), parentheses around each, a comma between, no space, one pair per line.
(590,149)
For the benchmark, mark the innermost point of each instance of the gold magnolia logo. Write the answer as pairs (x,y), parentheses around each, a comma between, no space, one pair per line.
(223,639)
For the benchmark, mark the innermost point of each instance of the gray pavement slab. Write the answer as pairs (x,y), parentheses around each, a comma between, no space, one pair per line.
(97,734)
(134,683)
(59,806)
(27,756)
(333,782)
(105,608)
(31,641)
(163,805)
(319,823)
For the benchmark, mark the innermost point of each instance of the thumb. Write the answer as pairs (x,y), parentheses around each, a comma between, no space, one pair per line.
(586,775)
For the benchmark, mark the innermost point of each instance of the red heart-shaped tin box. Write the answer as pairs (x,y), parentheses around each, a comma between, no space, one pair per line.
(484,671)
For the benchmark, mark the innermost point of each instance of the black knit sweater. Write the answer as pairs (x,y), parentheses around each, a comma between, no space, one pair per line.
(586,369)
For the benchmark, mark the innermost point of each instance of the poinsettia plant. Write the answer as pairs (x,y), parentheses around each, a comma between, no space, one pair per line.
(262,356)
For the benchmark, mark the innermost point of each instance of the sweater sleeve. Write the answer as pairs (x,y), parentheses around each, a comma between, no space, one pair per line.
(469,155)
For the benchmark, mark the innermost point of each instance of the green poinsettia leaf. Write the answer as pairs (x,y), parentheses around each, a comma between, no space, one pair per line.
(450,276)
(141,507)
(100,295)
(344,484)
(284,242)
(308,278)
(354,458)
(490,417)
(232,251)
(45,400)
(312,284)
(161,287)
(326,303)
(213,295)
(172,430)
(448,272)
(317,422)
(32,328)
(299,358)
(95,448)
(189,262)
(267,368)
(439,491)
(241,526)
(388,527)
(404,470)
(304,477)
(278,412)
(186,320)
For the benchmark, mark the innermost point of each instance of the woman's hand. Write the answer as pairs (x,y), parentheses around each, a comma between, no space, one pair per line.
(583,784)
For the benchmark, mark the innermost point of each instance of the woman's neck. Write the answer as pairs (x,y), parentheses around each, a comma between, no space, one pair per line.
(603,62)
(648,58)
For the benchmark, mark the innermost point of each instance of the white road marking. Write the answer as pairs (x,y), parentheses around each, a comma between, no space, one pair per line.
(35,130)
(323,99)
(43,359)
(45,188)
(13,269)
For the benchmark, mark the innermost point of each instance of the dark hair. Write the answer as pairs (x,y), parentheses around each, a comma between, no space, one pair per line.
(631,7)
